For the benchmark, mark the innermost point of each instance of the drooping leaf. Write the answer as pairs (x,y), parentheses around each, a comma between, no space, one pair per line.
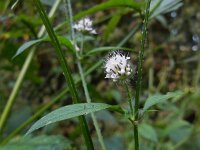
(68,112)
(160,99)
(26,46)
(148,132)
(63,40)
(41,142)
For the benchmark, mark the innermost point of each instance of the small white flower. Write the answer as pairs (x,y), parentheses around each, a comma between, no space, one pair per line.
(117,66)
(85,24)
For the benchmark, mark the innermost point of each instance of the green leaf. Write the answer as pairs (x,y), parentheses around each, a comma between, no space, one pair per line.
(160,99)
(62,40)
(111,26)
(148,132)
(107,48)
(103,6)
(178,130)
(26,46)
(66,42)
(118,109)
(68,112)
(159,7)
(110,4)
(40,142)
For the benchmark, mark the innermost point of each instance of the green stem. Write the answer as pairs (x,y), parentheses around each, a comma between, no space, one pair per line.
(66,71)
(130,99)
(22,74)
(88,99)
(81,72)
(82,44)
(139,72)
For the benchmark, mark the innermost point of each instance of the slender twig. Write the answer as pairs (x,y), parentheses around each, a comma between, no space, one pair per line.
(22,74)
(139,72)
(66,71)
(81,72)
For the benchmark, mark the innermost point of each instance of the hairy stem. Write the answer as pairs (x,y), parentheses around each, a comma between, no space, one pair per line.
(139,72)
(130,99)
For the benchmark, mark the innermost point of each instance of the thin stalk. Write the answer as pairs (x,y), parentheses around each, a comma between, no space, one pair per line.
(82,44)
(139,72)
(88,99)
(197,72)
(22,74)
(130,99)
(81,72)
(66,71)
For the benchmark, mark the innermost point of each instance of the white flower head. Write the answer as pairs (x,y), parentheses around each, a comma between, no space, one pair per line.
(118,66)
(85,24)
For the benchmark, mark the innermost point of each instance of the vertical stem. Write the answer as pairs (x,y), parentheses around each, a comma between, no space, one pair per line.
(22,74)
(197,72)
(66,71)
(139,72)
(130,98)
(88,99)
(82,44)
(81,72)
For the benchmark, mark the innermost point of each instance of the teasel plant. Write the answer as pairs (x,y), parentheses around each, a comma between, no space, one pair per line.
(117,66)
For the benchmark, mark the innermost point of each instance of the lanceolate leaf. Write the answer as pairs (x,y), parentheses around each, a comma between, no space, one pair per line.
(26,46)
(68,112)
(159,7)
(67,43)
(41,142)
(63,40)
(160,99)
(148,132)
(108,48)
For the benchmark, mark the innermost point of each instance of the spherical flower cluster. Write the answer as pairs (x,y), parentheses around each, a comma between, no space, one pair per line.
(83,25)
(118,66)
